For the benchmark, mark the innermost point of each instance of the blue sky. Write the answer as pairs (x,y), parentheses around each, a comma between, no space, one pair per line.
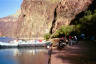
(8,7)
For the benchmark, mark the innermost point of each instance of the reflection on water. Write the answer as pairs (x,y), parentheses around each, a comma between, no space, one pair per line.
(24,56)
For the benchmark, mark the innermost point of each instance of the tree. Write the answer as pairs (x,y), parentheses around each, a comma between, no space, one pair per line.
(64,31)
(87,23)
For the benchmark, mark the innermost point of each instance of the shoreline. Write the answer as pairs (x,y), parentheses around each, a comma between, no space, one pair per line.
(82,53)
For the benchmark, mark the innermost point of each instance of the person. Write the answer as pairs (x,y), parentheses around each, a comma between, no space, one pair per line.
(75,39)
(82,36)
(66,40)
(70,40)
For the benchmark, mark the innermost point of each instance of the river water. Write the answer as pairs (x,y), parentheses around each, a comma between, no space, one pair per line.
(24,56)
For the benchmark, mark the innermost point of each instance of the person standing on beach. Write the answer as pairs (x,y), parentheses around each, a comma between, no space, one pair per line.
(70,40)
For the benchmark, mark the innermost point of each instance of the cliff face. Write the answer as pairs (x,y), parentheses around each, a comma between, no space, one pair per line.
(36,18)
(39,17)
(8,25)
(67,10)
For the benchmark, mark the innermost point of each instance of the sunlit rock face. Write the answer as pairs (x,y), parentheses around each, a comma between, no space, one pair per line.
(8,25)
(39,17)
(67,10)
(36,18)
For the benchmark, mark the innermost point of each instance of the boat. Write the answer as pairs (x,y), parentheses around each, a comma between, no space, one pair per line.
(12,44)
(32,43)
(23,43)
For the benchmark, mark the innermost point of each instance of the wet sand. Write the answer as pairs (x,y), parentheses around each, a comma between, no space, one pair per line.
(82,53)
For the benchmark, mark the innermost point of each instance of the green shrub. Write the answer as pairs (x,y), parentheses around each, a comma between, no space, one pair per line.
(47,36)
(64,30)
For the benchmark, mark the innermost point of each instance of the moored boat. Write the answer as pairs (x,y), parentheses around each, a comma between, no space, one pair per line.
(23,43)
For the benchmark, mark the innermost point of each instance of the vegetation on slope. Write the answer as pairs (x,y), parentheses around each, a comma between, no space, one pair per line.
(85,22)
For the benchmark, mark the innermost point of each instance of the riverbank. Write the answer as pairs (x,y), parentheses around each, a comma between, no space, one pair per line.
(82,53)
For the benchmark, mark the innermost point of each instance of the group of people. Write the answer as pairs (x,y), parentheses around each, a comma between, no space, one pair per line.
(70,40)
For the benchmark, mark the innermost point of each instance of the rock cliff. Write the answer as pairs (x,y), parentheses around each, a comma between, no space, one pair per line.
(36,18)
(39,17)
(8,25)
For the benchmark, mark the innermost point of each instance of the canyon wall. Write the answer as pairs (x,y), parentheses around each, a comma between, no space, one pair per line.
(8,25)
(39,17)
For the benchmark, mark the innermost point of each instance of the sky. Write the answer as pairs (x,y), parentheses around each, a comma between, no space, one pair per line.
(9,7)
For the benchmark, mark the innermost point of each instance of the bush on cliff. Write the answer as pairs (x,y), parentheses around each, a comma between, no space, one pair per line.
(47,36)
(87,23)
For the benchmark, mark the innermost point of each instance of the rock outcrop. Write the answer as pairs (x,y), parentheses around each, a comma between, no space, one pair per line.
(39,17)
(67,10)
(36,18)
(8,25)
